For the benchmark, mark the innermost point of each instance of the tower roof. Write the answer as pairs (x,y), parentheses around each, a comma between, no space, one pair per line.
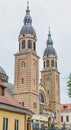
(27,27)
(49,50)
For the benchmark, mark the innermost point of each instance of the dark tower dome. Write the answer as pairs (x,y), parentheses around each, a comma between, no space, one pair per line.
(49,49)
(27,27)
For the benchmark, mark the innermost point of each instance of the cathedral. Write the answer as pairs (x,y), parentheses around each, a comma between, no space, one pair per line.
(43,98)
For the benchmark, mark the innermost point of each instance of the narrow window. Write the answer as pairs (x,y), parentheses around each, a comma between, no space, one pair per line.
(22,103)
(5,123)
(67,118)
(44,64)
(47,63)
(30,44)
(22,80)
(23,44)
(52,63)
(34,46)
(16,125)
(22,64)
(56,64)
(61,118)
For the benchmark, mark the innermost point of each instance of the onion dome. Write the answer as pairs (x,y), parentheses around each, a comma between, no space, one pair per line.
(27,27)
(49,49)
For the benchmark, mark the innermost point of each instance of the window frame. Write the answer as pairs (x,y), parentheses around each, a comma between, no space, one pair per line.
(61,118)
(29,44)
(23,44)
(52,63)
(5,123)
(67,118)
(16,124)
(47,63)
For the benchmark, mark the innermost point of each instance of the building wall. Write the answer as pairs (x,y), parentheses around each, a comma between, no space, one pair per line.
(64,114)
(50,80)
(28,90)
(11,118)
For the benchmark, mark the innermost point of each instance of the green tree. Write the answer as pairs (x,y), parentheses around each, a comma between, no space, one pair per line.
(69,85)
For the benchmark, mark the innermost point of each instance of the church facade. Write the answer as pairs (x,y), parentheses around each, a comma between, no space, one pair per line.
(44,98)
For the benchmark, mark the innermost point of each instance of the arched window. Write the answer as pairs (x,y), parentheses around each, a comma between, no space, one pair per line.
(34,46)
(29,44)
(23,44)
(52,63)
(22,64)
(47,63)
(44,64)
(41,98)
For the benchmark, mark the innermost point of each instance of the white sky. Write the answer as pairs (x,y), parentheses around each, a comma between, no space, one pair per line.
(45,13)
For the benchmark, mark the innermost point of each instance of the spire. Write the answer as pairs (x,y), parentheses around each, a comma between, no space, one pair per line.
(49,34)
(27,18)
(49,41)
(49,29)
(27,4)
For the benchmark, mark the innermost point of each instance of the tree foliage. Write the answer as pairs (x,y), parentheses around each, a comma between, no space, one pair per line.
(69,85)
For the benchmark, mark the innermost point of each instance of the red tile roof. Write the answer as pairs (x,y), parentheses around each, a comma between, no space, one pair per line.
(66,106)
(9,99)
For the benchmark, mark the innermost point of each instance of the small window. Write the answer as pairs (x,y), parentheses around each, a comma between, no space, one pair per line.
(44,64)
(22,103)
(61,118)
(56,64)
(16,125)
(34,46)
(22,80)
(23,44)
(47,63)
(30,44)
(52,63)
(48,79)
(5,123)
(67,118)
(22,64)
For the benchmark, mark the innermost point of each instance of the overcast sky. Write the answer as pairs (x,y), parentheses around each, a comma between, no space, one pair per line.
(45,13)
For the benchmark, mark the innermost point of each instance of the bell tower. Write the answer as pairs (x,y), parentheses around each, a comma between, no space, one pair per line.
(50,79)
(26,80)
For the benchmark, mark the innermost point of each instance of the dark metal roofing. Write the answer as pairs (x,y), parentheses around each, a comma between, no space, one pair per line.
(28,29)
(49,49)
